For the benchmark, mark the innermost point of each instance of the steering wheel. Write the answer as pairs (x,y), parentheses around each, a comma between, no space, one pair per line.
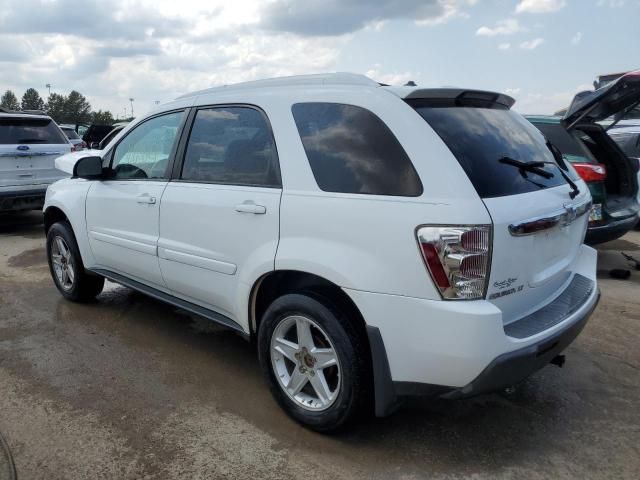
(127,170)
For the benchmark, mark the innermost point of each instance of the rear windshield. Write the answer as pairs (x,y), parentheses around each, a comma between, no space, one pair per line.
(480,137)
(567,143)
(71,133)
(29,131)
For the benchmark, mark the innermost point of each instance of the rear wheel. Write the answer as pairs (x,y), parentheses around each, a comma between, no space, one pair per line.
(312,358)
(67,269)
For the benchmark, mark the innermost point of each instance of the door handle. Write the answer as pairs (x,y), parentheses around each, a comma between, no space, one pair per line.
(251,207)
(146,198)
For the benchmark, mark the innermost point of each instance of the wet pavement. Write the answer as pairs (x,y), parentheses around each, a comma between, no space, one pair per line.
(128,387)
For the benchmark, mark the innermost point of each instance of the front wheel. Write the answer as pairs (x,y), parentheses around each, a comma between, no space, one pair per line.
(313,360)
(67,269)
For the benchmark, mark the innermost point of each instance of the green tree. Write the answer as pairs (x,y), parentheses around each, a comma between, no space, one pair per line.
(77,108)
(31,100)
(9,100)
(55,107)
(102,117)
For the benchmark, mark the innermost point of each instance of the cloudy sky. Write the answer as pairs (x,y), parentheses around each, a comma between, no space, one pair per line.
(539,51)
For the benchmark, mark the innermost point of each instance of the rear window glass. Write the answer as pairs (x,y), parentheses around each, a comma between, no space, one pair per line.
(350,150)
(480,137)
(27,131)
(566,142)
(71,134)
(629,143)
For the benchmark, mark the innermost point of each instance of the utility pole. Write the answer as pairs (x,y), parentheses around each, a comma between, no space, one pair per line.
(48,86)
(131,100)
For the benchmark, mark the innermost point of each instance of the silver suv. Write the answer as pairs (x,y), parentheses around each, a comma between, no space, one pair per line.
(29,145)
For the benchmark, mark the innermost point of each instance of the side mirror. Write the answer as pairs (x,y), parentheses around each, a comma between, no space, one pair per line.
(89,168)
(95,146)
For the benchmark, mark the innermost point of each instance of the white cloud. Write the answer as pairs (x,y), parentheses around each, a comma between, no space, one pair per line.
(539,6)
(507,26)
(577,38)
(512,91)
(532,44)
(393,78)
(611,3)
(504,46)
(545,103)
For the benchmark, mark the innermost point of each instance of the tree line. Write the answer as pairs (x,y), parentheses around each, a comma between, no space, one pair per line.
(73,108)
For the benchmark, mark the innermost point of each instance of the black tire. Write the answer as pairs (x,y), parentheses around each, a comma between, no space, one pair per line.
(85,286)
(348,345)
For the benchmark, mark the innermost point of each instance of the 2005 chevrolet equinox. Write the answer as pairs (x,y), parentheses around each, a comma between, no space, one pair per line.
(375,241)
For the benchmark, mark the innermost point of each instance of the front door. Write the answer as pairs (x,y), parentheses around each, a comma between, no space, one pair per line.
(122,211)
(219,221)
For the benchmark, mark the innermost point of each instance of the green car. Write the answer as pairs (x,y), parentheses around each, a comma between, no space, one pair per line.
(610,175)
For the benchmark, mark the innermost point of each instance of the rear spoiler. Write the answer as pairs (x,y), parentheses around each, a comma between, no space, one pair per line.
(458,97)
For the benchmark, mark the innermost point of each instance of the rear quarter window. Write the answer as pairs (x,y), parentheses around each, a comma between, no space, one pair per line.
(351,150)
(28,131)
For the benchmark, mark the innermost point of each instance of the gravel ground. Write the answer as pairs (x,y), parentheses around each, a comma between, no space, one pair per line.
(131,388)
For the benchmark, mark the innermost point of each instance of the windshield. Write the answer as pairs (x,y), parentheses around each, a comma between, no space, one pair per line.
(480,137)
(71,134)
(23,131)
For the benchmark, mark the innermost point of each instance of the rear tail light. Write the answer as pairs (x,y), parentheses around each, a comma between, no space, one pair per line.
(591,172)
(458,259)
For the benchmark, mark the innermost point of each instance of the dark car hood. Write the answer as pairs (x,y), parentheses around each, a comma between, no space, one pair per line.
(614,98)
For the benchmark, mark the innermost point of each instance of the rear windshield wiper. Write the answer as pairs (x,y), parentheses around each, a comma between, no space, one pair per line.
(533,167)
(536,167)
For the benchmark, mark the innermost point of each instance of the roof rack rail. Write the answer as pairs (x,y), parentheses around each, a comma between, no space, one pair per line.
(339,78)
(22,112)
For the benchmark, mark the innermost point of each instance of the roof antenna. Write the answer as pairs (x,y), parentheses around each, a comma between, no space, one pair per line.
(410,83)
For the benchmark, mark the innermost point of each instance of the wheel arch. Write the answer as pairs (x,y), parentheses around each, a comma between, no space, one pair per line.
(53,215)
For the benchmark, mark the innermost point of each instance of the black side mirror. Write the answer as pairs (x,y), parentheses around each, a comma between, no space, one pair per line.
(89,168)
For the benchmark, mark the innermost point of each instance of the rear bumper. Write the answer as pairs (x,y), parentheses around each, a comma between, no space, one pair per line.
(458,349)
(512,367)
(30,197)
(610,231)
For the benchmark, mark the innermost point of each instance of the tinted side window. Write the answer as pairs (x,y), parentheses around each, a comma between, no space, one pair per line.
(144,152)
(351,150)
(231,145)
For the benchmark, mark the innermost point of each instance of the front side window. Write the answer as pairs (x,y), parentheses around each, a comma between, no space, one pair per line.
(233,146)
(351,150)
(144,152)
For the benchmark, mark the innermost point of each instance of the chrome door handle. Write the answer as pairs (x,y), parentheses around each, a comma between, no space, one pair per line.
(146,198)
(250,207)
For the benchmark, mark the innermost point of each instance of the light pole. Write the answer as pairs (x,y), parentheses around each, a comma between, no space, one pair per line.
(48,86)
(131,100)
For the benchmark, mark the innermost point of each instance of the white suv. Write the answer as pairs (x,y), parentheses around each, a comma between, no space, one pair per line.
(29,144)
(376,241)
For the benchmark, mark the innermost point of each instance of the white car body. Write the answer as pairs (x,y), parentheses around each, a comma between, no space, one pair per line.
(212,245)
(27,167)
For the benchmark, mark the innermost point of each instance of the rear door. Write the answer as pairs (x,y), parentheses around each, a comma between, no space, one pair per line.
(538,227)
(219,218)
(28,148)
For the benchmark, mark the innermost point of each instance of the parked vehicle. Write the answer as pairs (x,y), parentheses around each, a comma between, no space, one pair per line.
(29,145)
(611,176)
(628,139)
(74,138)
(95,133)
(375,241)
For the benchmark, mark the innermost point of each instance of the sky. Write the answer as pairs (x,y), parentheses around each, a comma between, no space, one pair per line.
(541,52)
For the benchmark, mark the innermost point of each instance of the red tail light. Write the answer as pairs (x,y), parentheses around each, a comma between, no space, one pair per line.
(458,259)
(591,172)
